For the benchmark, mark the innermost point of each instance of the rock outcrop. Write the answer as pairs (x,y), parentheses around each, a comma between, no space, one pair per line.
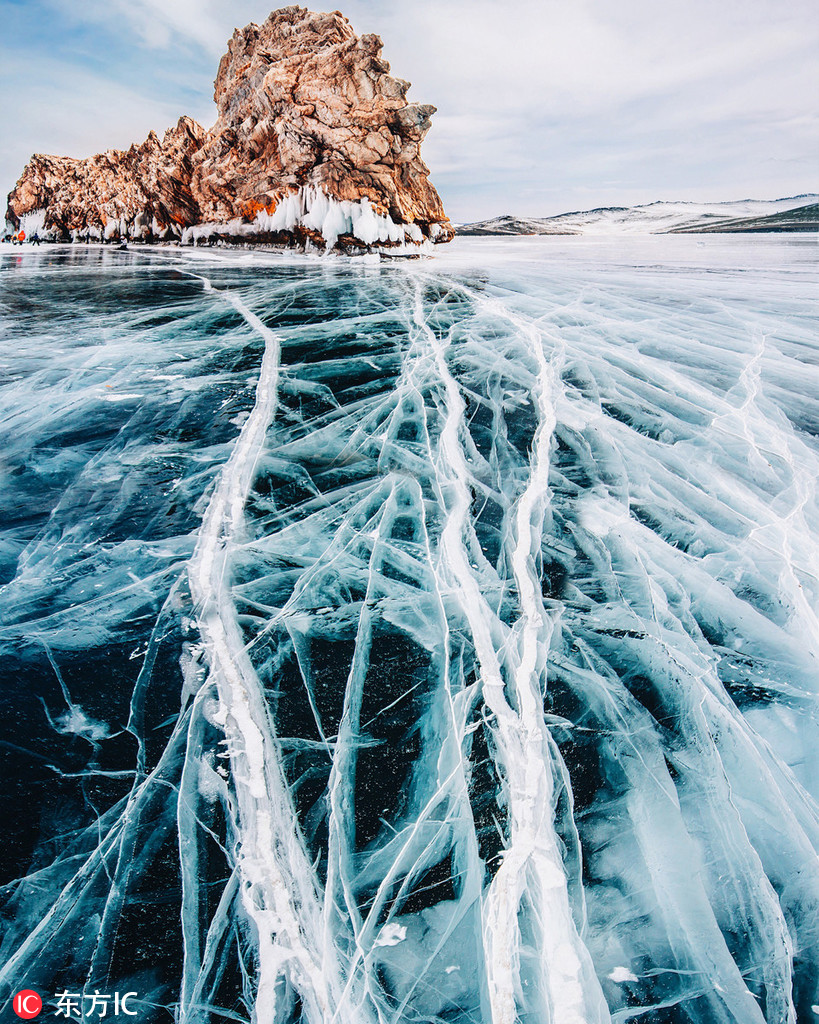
(315,142)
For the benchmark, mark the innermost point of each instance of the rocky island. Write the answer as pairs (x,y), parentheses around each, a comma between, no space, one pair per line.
(315,144)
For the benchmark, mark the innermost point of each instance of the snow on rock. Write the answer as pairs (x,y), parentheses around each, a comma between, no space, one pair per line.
(33,222)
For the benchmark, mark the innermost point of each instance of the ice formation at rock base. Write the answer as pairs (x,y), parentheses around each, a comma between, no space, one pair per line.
(306,217)
(421,643)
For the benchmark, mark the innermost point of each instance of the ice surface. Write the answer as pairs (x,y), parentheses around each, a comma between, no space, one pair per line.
(423,643)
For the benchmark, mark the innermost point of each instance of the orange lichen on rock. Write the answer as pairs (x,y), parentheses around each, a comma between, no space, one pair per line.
(250,210)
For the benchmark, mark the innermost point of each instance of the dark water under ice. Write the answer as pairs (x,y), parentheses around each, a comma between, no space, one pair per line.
(432,642)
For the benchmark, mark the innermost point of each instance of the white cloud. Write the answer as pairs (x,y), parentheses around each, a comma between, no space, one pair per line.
(540,101)
(165,24)
(681,96)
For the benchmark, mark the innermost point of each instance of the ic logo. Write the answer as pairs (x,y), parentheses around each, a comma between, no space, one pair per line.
(27,1004)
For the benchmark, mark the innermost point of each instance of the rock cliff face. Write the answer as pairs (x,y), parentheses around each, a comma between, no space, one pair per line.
(315,140)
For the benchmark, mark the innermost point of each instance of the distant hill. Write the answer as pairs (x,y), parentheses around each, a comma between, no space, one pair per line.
(798,213)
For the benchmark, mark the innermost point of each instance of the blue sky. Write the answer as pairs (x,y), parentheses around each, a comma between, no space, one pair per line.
(544,106)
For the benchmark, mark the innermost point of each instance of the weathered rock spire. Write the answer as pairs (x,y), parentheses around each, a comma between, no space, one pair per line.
(314,140)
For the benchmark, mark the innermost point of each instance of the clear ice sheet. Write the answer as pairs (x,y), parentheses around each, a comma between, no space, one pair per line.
(421,643)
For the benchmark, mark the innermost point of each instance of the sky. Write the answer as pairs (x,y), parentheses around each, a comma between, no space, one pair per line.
(544,106)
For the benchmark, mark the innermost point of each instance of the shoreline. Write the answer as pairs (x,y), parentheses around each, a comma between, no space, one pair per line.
(298,254)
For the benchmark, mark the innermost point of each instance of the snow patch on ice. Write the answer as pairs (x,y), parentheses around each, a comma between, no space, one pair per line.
(621,974)
(391,934)
(75,722)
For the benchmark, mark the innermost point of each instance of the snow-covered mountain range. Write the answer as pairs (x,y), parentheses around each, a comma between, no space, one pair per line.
(797,213)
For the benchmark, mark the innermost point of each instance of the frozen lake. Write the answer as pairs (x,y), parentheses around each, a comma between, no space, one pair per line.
(431,641)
